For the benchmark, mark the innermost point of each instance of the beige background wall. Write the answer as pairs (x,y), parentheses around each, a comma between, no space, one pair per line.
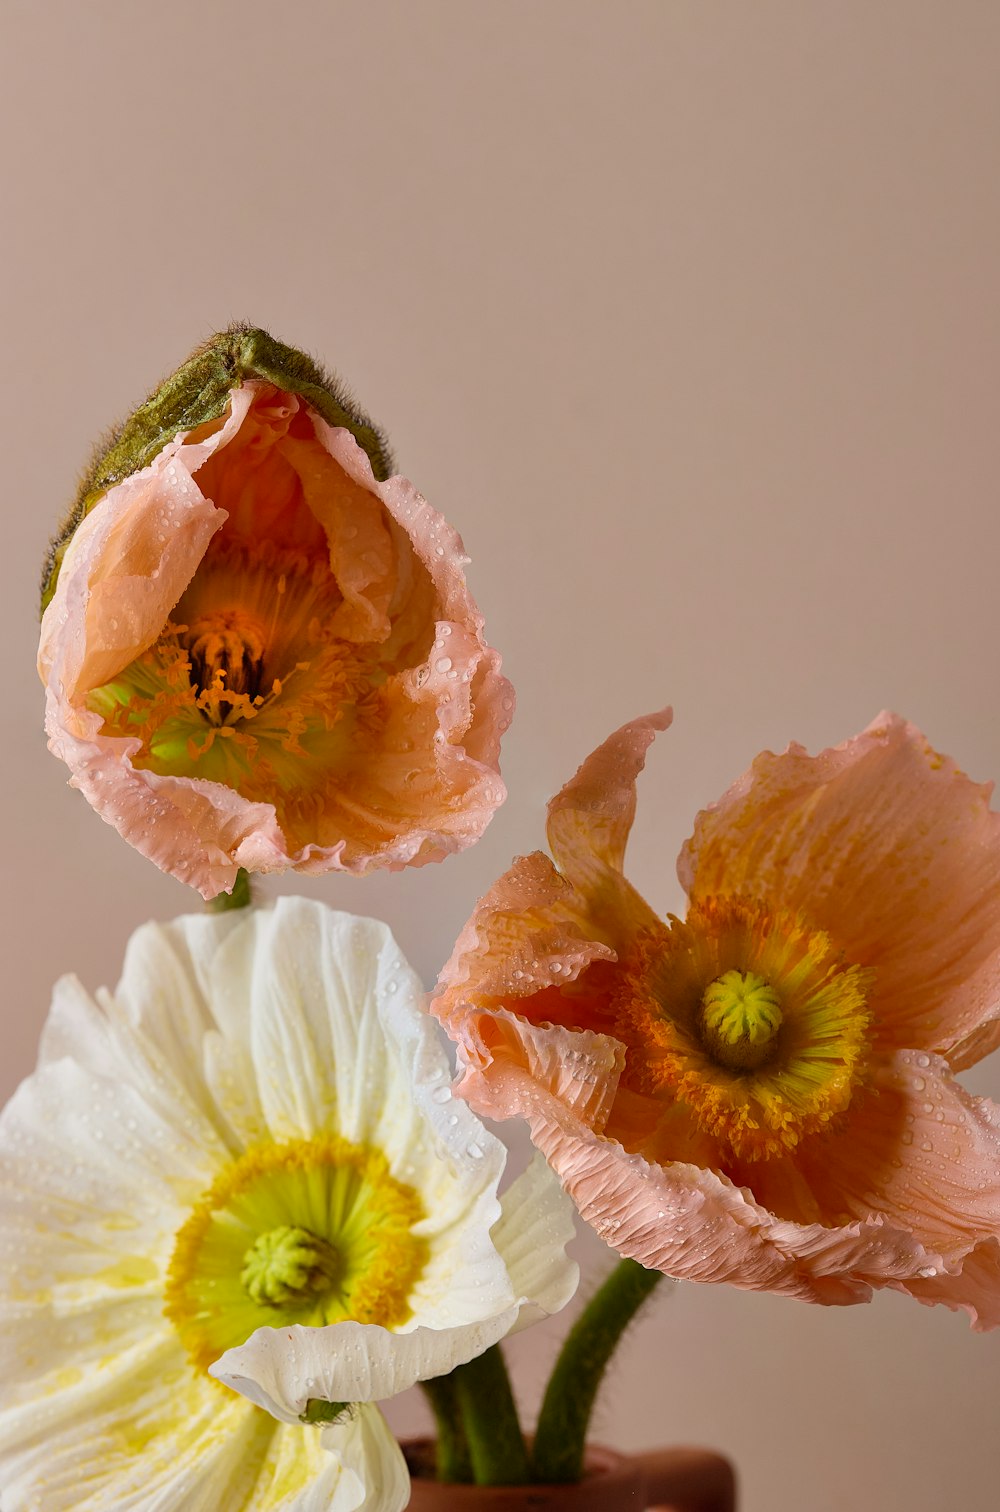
(687,315)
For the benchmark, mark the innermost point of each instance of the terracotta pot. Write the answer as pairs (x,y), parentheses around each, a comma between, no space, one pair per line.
(663,1480)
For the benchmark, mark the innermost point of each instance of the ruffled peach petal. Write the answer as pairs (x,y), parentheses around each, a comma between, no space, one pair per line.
(975,1290)
(362,551)
(976,1046)
(128,563)
(254,477)
(508,1064)
(590,819)
(893,851)
(200,832)
(921,1151)
(529,932)
(693,1224)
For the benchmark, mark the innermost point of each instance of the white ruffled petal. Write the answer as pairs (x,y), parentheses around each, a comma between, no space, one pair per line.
(341,1043)
(532,1235)
(143,1433)
(91,1177)
(365,1449)
(282,1369)
(310,980)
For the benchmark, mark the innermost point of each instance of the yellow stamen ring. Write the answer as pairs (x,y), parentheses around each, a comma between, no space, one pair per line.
(309,1231)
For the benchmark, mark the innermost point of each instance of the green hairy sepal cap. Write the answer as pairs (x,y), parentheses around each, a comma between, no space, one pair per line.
(198,392)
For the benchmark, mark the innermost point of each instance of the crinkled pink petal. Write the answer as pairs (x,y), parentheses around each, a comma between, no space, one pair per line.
(507,1063)
(128,563)
(918,1149)
(428,789)
(529,932)
(694,1224)
(200,832)
(975,1290)
(590,819)
(527,944)
(893,851)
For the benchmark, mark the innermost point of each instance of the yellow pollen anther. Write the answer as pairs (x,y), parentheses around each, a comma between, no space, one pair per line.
(288,1264)
(740,1016)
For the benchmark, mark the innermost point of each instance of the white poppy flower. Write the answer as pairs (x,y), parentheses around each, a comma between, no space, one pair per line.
(252,1140)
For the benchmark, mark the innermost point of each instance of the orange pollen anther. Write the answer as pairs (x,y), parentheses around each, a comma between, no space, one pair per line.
(226,650)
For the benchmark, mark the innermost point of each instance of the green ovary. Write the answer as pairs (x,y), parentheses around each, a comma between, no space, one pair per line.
(740,1018)
(288,1265)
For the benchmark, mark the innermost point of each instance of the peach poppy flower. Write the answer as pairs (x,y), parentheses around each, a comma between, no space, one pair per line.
(762,1093)
(257,655)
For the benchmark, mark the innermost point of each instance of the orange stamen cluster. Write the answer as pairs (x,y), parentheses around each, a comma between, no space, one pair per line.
(757,1088)
(247,683)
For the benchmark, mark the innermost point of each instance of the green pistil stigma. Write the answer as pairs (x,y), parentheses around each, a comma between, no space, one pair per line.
(288,1266)
(318,1411)
(740,1016)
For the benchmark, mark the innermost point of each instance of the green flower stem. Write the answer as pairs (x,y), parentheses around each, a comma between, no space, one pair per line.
(579,1370)
(240,897)
(496,1443)
(453,1459)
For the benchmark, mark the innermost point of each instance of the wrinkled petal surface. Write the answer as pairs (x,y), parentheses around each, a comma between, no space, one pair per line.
(242,1057)
(889,847)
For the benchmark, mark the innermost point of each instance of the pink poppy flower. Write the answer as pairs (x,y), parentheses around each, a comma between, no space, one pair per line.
(256,655)
(764,1092)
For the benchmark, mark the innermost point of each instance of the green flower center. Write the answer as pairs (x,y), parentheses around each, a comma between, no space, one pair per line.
(311,1231)
(288,1265)
(740,1018)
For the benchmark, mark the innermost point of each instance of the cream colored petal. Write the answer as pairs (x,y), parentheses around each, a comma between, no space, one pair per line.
(97,1176)
(140,1433)
(152,1033)
(299,1474)
(364,1446)
(281,1369)
(532,1234)
(341,1044)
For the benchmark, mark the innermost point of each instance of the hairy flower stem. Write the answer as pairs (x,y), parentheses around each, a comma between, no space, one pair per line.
(240,897)
(453,1462)
(579,1370)
(496,1443)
